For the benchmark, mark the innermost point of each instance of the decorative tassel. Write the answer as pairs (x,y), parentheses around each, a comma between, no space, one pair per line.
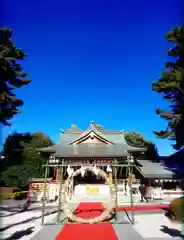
(109,169)
(70,171)
(95,170)
(82,171)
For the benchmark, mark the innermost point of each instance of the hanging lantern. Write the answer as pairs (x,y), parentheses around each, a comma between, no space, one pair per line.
(109,169)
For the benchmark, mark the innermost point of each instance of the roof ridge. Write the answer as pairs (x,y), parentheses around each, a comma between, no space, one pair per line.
(89,131)
(111,131)
(101,131)
(73,132)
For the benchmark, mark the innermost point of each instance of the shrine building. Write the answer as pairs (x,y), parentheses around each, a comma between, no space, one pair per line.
(100,147)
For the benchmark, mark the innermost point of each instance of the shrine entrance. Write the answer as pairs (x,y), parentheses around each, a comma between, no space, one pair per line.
(105,173)
(88,178)
(88,186)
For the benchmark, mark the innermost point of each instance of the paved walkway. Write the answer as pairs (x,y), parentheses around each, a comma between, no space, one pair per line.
(157,228)
(21,225)
(122,199)
(140,231)
(27,225)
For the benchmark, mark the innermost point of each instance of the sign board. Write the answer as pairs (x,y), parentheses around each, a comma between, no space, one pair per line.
(89,162)
(91,190)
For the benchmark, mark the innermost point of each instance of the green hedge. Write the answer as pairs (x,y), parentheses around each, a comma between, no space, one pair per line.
(15,195)
(177,209)
(6,196)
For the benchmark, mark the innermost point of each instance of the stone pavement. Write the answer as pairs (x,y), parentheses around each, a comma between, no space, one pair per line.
(122,199)
(148,225)
(52,228)
(21,225)
(123,230)
(157,226)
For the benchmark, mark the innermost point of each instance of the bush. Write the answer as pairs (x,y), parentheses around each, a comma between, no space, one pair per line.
(20,195)
(6,196)
(176,209)
(17,194)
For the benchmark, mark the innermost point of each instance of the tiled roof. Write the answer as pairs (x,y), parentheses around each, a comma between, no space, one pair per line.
(92,150)
(154,170)
(118,146)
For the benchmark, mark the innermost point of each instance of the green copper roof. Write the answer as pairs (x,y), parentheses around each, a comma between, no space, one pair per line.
(115,144)
(154,170)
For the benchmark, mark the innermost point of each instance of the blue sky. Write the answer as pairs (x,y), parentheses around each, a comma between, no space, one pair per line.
(91,60)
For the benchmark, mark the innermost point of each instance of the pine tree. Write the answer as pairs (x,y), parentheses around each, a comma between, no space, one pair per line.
(99,127)
(74,128)
(171,86)
(11,76)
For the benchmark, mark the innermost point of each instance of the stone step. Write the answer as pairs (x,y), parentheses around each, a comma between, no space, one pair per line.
(89,198)
(121,202)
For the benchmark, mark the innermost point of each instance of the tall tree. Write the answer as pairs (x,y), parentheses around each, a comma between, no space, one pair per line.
(31,154)
(30,166)
(11,76)
(99,127)
(74,128)
(13,149)
(137,140)
(171,86)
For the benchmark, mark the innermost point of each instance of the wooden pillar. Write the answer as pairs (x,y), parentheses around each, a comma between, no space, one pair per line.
(58,174)
(116,185)
(60,194)
(44,195)
(110,177)
(130,168)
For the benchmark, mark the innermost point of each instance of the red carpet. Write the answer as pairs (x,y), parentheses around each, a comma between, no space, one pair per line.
(88,231)
(143,207)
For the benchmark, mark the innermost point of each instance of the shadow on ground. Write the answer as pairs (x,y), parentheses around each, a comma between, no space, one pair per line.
(20,234)
(17,210)
(172,232)
(25,221)
(8,209)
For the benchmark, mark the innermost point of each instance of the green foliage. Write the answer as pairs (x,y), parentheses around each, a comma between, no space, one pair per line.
(182,184)
(171,86)
(17,194)
(6,196)
(11,76)
(151,153)
(177,209)
(17,172)
(136,140)
(18,176)
(99,127)
(13,148)
(74,128)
